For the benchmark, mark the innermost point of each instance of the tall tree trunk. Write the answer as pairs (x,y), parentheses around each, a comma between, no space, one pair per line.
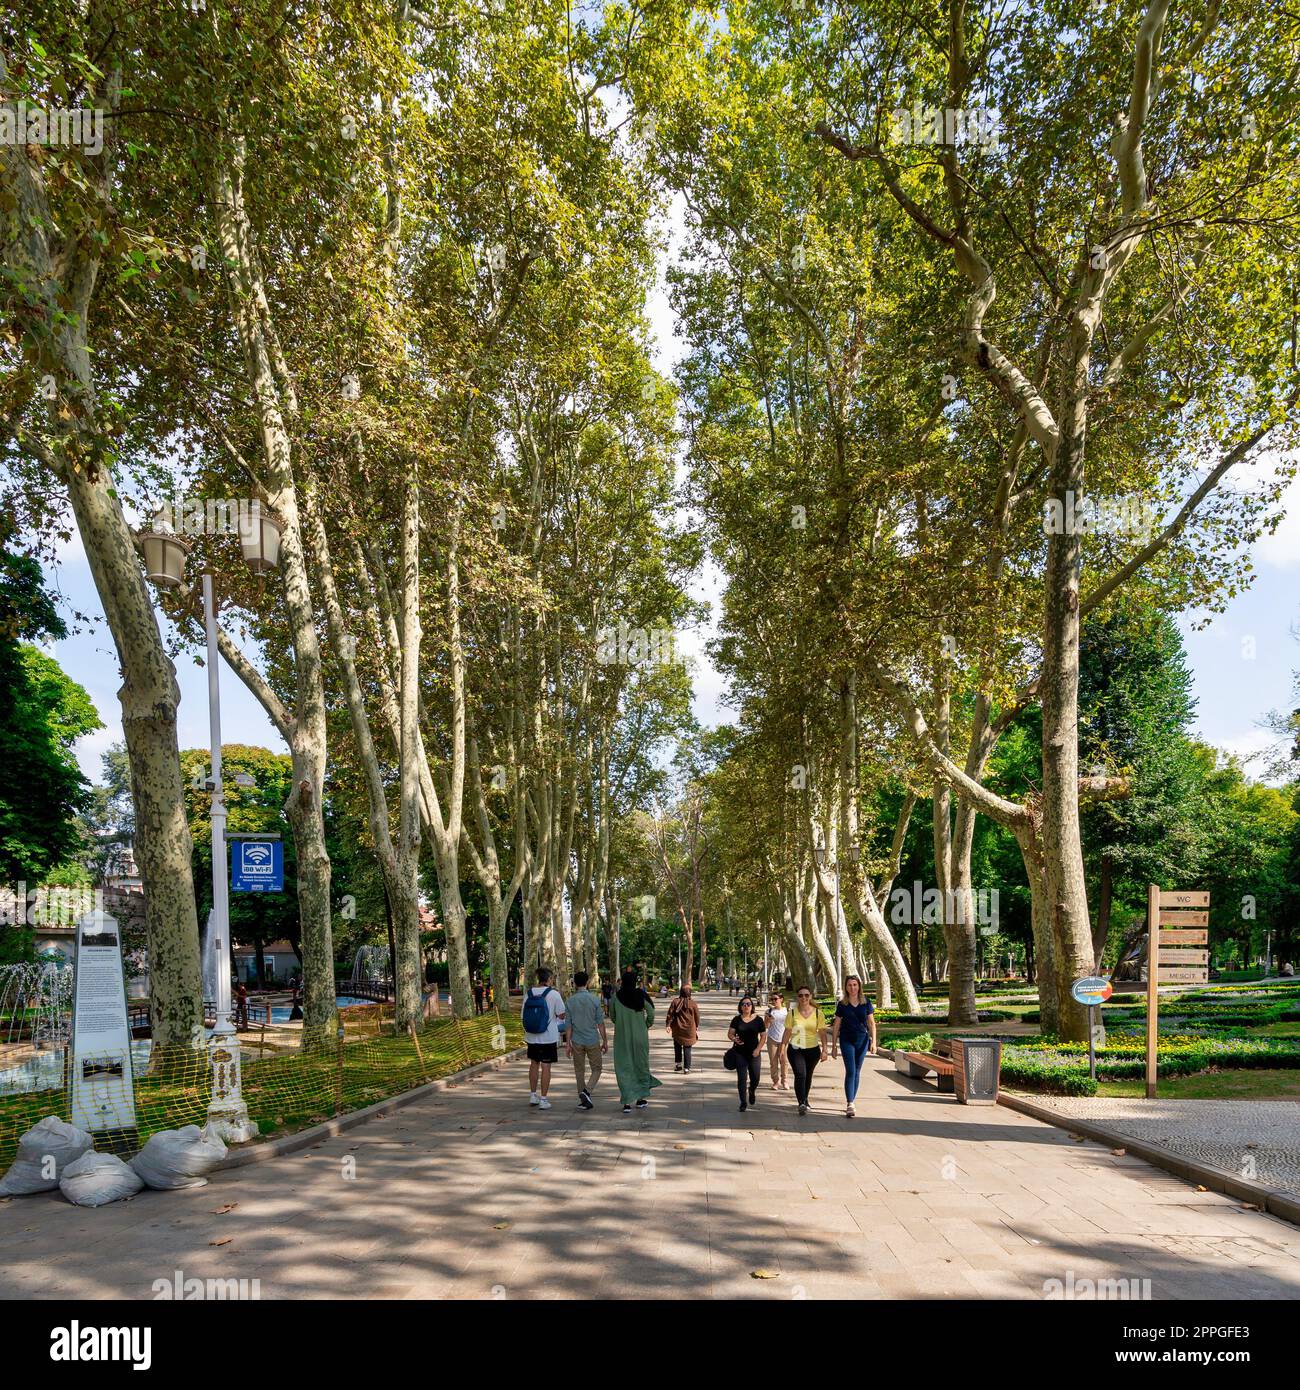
(1064,886)
(58,278)
(268,379)
(884,992)
(958,926)
(320,1014)
(1105,895)
(149,698)
(1042,945)
(559,945)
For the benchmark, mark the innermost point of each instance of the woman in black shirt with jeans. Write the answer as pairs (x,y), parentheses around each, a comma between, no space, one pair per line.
(747,1033)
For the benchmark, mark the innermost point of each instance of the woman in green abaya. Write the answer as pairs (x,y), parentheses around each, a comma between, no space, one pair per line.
(632,1013)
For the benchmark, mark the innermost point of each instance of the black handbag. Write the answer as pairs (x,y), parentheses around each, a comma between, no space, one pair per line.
(731,1058)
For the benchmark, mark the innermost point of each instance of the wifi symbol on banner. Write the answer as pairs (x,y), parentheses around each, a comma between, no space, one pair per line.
(257,854)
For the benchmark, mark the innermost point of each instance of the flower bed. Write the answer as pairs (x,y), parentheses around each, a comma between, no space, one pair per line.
(1061,1068)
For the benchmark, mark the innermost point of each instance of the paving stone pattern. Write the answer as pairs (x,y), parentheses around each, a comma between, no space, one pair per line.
(469,1193)
(1255,1139)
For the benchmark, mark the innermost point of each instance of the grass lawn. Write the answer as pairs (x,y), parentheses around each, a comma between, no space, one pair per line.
(1215,1085)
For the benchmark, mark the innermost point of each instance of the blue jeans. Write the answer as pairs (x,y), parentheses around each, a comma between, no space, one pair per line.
(854,1050)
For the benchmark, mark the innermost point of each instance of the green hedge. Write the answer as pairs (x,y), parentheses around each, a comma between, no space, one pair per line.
(1062,1067)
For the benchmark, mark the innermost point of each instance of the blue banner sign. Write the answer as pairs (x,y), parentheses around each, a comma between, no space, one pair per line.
(256,866)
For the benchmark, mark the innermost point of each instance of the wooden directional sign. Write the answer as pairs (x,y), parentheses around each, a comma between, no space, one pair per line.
(1183,900)
(1177,953)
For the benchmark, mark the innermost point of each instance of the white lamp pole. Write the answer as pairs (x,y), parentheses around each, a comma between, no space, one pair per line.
(839,935)
(164,562)
(227,1113)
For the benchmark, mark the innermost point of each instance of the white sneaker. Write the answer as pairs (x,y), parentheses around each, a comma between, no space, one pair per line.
(534,1098)
(543,1103)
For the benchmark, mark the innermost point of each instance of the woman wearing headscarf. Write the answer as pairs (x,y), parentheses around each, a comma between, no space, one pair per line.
(684,1025)
(632,1013)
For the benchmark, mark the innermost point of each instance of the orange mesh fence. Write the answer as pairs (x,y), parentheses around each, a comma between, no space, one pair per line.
(285,1090)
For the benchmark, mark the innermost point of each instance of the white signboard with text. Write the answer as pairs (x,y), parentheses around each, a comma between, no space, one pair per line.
(101,1080)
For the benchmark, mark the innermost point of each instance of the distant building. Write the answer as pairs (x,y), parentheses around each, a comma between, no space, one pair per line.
(123,874)
(278,959)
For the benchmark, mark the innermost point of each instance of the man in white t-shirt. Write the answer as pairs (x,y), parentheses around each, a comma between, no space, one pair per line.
(543,1012)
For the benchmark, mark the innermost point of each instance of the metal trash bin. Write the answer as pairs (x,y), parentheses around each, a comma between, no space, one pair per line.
(977,1065)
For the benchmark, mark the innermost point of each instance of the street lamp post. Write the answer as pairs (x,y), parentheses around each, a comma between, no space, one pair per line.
(227,1112)
(164,556)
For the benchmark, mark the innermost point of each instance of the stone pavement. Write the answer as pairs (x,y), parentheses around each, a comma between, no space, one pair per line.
(1254,1139)
(470,1193)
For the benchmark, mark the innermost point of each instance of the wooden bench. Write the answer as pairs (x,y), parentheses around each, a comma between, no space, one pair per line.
(920,1064)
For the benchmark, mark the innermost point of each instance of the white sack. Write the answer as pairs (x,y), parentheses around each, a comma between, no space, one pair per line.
(43,1153)
(178,1157)
(94,1180)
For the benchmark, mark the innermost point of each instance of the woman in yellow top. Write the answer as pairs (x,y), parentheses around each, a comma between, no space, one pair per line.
(806,1029)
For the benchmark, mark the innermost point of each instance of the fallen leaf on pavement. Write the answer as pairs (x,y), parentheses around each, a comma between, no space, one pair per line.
(221,1211)
(1119,1153)
(501,1226)
(763,1274)
(225,1240)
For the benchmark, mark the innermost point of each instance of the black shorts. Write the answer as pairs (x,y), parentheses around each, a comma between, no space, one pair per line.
(543,1052)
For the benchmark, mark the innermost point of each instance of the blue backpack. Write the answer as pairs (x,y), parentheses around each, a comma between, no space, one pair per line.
(536,1015)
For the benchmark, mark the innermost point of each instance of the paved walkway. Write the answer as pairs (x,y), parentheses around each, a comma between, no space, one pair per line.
(469,1193)
(1254,1139)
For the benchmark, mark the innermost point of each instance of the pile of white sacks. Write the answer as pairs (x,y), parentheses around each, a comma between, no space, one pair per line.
(54,1154)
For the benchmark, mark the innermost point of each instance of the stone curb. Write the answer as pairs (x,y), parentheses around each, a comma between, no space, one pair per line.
(1282,1204)
(304,1138)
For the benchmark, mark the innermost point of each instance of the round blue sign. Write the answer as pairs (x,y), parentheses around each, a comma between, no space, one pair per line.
(1092,989)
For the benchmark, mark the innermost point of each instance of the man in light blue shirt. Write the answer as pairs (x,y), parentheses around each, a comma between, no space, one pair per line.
(586,1040)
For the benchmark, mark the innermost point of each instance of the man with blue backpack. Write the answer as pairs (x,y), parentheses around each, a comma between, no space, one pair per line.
(543,1013)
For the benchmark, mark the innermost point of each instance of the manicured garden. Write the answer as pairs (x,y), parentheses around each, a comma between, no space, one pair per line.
(1240,1040)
